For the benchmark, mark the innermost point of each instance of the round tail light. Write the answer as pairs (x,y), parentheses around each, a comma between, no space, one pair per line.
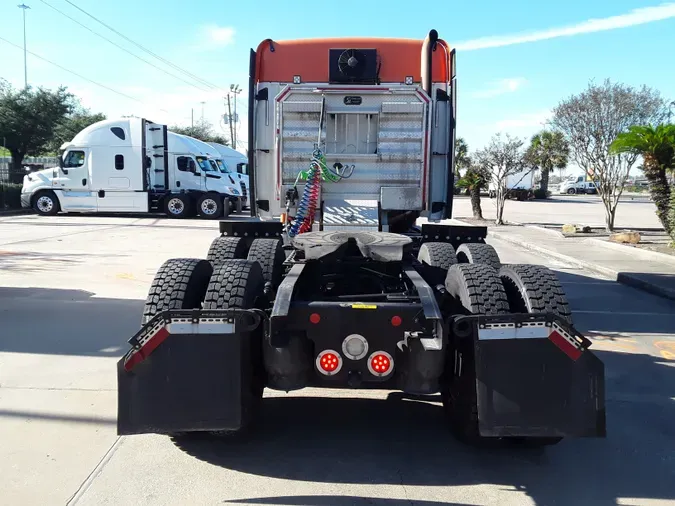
(329,362)
(380,363)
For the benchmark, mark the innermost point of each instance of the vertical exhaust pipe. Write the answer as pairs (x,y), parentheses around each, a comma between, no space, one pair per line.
(428,47)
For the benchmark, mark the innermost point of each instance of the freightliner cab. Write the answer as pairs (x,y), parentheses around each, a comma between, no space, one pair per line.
(129,165)
(237,163)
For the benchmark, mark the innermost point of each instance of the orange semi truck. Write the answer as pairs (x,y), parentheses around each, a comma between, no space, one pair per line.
(333,283)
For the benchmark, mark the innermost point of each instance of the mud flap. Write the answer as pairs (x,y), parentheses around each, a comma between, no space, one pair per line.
(184,373)
(535,377)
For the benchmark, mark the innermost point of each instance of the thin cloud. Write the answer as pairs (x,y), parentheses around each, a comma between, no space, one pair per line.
(524,121)
(500,87)
(219,35)
(635,17)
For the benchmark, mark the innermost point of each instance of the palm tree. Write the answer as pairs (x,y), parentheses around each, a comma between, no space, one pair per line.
(548,151)
(474,180)
(462,158)
(656,145)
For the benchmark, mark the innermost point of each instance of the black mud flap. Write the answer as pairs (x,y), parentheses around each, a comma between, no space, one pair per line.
(535,377)
(184,373)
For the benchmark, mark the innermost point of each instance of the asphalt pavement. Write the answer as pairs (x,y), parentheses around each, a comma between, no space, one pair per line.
(71,293)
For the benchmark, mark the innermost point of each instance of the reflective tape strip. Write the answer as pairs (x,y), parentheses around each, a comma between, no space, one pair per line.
(567,343)
(201,328)
(150,344)
(510,331)
(149,340)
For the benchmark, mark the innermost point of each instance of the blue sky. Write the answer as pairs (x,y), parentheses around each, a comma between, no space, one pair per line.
(509,82)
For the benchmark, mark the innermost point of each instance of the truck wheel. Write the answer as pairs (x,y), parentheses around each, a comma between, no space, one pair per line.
(239,206)
(227,207)
(571,191)
(269,253)
(180,283)
(46,203)
(226,248)
(177,206)
(437,254)
(479,290)
(210,206)
(534,289)
(437,258)
(478,253)
(239,284)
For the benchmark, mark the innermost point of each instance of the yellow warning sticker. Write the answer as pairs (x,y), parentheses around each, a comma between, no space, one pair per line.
(364,306)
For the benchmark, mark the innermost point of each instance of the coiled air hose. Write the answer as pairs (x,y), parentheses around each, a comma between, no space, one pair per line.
(318,170)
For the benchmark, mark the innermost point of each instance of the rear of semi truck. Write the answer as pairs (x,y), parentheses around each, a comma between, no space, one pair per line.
(336,285)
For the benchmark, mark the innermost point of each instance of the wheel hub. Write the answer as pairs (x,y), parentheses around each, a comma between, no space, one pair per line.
(45,204)
(209,206)
(175,206)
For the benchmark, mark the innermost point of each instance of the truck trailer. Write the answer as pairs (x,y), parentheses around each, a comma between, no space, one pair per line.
(332,283)
(131,165)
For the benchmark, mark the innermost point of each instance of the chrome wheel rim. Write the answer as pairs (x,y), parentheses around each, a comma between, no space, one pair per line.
(45,204)
(175,206)
(209,206)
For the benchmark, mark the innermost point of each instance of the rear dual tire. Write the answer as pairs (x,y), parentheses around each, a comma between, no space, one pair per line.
(187,283)
(480,289)
(239,284)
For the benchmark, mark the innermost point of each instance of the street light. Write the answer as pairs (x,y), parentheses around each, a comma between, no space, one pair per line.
(25,60)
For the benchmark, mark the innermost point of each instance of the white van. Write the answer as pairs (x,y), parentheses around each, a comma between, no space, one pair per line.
(129,165)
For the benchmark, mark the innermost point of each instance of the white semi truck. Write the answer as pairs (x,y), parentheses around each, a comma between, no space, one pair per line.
(236,163)
(130,165)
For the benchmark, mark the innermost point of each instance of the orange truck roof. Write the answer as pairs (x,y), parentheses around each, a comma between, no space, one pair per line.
(308,58)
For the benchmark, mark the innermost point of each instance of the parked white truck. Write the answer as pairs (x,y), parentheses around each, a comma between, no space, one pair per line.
(130,165)
(236,163)
(520,186)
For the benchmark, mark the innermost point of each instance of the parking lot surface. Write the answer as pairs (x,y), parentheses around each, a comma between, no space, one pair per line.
(72,290)
(632,212)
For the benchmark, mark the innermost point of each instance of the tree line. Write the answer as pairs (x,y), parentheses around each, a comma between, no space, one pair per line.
(604,130)
(35,121)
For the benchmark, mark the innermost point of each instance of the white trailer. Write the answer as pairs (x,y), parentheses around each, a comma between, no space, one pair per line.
(129,165)
(519,185)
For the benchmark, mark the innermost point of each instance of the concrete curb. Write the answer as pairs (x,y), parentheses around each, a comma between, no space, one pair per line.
(646,254)
(626,278)
(581,264)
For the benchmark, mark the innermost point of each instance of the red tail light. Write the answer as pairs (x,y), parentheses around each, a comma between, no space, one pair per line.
(329,362)
(396,321)
(315,318)
(380,363)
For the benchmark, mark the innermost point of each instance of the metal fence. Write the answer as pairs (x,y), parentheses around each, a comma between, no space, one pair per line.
(34,162)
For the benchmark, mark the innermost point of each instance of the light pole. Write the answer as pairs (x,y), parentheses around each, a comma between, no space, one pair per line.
(25,58)
(235,89)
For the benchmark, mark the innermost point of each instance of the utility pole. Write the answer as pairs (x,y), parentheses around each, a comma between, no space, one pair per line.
(229,117)
(192,117)
(235,89)
(25,57)
(202,110)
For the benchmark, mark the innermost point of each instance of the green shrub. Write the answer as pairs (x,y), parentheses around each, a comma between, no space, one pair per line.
(10,196)
(541,194)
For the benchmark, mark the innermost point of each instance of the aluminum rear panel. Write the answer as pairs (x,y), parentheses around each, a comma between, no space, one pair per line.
(384,137)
